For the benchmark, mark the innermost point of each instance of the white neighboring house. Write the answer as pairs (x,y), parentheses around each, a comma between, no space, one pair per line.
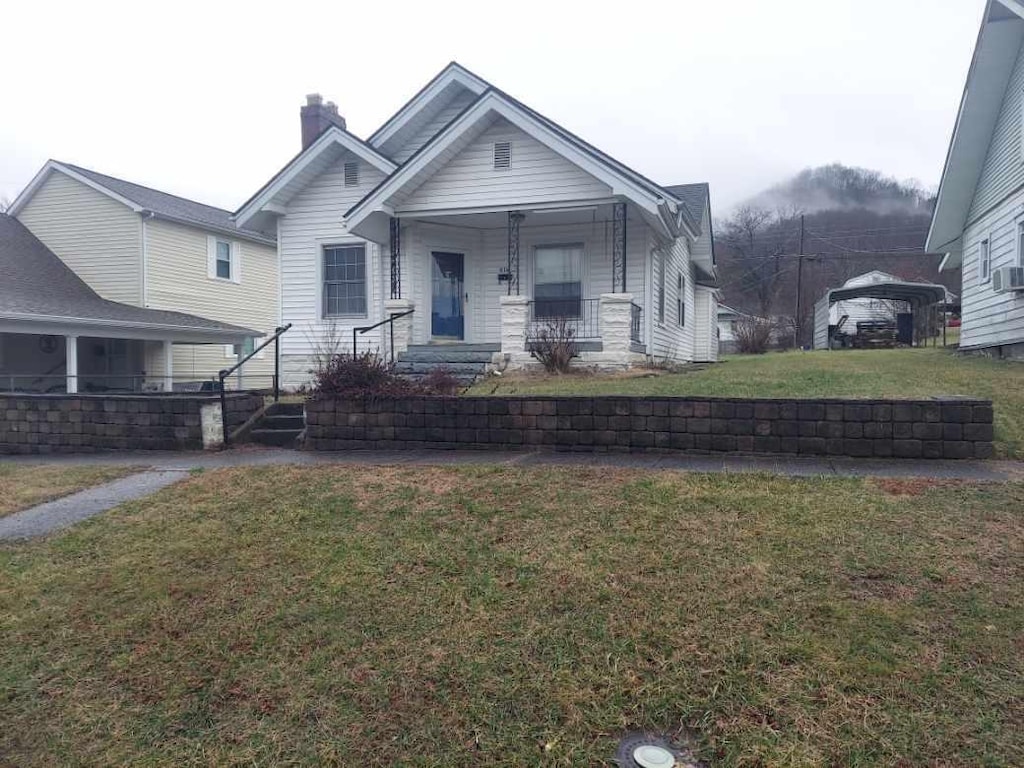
(979,214)
(142,247)
(486,220)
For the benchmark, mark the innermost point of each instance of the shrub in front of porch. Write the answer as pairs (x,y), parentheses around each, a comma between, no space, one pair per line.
(554,345)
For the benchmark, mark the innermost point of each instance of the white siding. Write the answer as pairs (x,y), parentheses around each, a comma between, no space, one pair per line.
(991,318)
(706,312)
(434,125)
(537,175)
(98,237)
(177,279)
(671,341)
(315,218)
(1003,171)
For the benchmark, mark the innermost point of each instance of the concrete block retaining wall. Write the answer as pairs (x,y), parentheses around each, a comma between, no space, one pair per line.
(85,423)
(933,429)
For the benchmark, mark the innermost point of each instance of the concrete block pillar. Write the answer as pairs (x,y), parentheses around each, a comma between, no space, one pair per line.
(615,323)
(168,350)
(403,325)
(71,363)
(515,314)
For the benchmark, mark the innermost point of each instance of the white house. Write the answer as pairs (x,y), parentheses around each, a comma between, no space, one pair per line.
(979,214)
(485,220)
(146,248)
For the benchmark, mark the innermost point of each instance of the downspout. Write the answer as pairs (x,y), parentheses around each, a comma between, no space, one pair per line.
(145,258)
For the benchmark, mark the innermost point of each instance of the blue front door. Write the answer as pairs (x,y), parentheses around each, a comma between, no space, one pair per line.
(446,318)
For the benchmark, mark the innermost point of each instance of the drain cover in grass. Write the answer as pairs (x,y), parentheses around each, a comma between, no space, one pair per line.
(648,750)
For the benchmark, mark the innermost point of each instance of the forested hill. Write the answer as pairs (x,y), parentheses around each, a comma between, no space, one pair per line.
(854,221)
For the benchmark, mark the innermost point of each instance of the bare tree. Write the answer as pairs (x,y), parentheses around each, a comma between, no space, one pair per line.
(756,239)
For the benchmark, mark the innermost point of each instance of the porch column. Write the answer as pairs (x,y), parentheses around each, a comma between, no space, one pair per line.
(514,220)
(616,325)
(515,314)
(396,258)
(619,248)
(402,327)
(168,365)
(71,363)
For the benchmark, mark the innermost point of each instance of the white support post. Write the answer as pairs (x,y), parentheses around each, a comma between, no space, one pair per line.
(71,363)
(616,321)
(168,365)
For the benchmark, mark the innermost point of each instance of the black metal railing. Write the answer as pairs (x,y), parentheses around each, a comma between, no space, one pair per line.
(275,339)
(114,383)
(581,316)
(636,325)
(390,321)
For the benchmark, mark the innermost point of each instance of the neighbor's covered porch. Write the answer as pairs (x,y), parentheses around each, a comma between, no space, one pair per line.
(501,277)
(38,358)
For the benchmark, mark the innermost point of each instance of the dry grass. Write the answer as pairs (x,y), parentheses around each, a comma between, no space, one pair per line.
(882,373)
(25,485)
(502,616)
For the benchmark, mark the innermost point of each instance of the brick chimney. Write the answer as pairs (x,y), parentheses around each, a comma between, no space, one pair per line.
(316,116)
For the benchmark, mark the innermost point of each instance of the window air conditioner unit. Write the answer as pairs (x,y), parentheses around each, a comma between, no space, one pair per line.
(1008,279)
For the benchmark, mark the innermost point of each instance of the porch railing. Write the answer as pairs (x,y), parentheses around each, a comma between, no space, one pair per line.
(582,316)
(636,314)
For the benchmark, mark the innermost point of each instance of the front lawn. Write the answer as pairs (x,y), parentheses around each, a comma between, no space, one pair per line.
(519,616)
(883,373)
(25,485)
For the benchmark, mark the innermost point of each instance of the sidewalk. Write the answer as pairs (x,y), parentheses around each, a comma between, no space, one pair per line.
(793,466)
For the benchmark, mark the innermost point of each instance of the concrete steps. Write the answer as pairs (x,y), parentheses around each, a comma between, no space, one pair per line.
(466,362)
(279,426)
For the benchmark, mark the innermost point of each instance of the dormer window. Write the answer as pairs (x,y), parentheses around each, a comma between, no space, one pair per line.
(351,174)
(502,154)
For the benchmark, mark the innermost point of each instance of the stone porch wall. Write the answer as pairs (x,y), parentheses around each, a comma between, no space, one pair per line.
(932,429)
(32,424)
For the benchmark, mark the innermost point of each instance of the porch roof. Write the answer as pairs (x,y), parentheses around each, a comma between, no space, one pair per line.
(39,288)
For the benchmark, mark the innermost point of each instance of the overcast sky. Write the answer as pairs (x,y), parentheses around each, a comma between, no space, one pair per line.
(202,99)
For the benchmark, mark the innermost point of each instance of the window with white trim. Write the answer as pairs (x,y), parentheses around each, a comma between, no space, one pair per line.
(984,261)
(558,281)
(1020,243)
(223,260)
(344,280)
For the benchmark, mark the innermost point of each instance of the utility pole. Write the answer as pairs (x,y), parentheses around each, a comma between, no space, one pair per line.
(799,278)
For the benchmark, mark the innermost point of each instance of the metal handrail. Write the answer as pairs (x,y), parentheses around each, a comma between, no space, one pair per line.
(362,329)
(275,339)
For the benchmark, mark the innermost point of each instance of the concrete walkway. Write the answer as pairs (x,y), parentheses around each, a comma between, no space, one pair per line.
(60,513)
(166,468)
(795,466)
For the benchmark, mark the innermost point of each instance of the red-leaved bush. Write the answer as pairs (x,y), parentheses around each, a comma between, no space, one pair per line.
(367,375)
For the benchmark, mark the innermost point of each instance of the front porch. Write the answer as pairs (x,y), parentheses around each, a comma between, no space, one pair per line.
(503,277)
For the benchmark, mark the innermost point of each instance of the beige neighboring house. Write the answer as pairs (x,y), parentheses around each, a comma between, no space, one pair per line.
(145,248)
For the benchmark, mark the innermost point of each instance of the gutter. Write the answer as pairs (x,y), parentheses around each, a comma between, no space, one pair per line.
(232,331)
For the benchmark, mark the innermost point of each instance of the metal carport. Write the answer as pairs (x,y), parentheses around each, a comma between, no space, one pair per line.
(917,295)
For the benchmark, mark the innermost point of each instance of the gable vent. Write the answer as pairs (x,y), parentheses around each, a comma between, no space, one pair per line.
(503,154)
(351,174)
